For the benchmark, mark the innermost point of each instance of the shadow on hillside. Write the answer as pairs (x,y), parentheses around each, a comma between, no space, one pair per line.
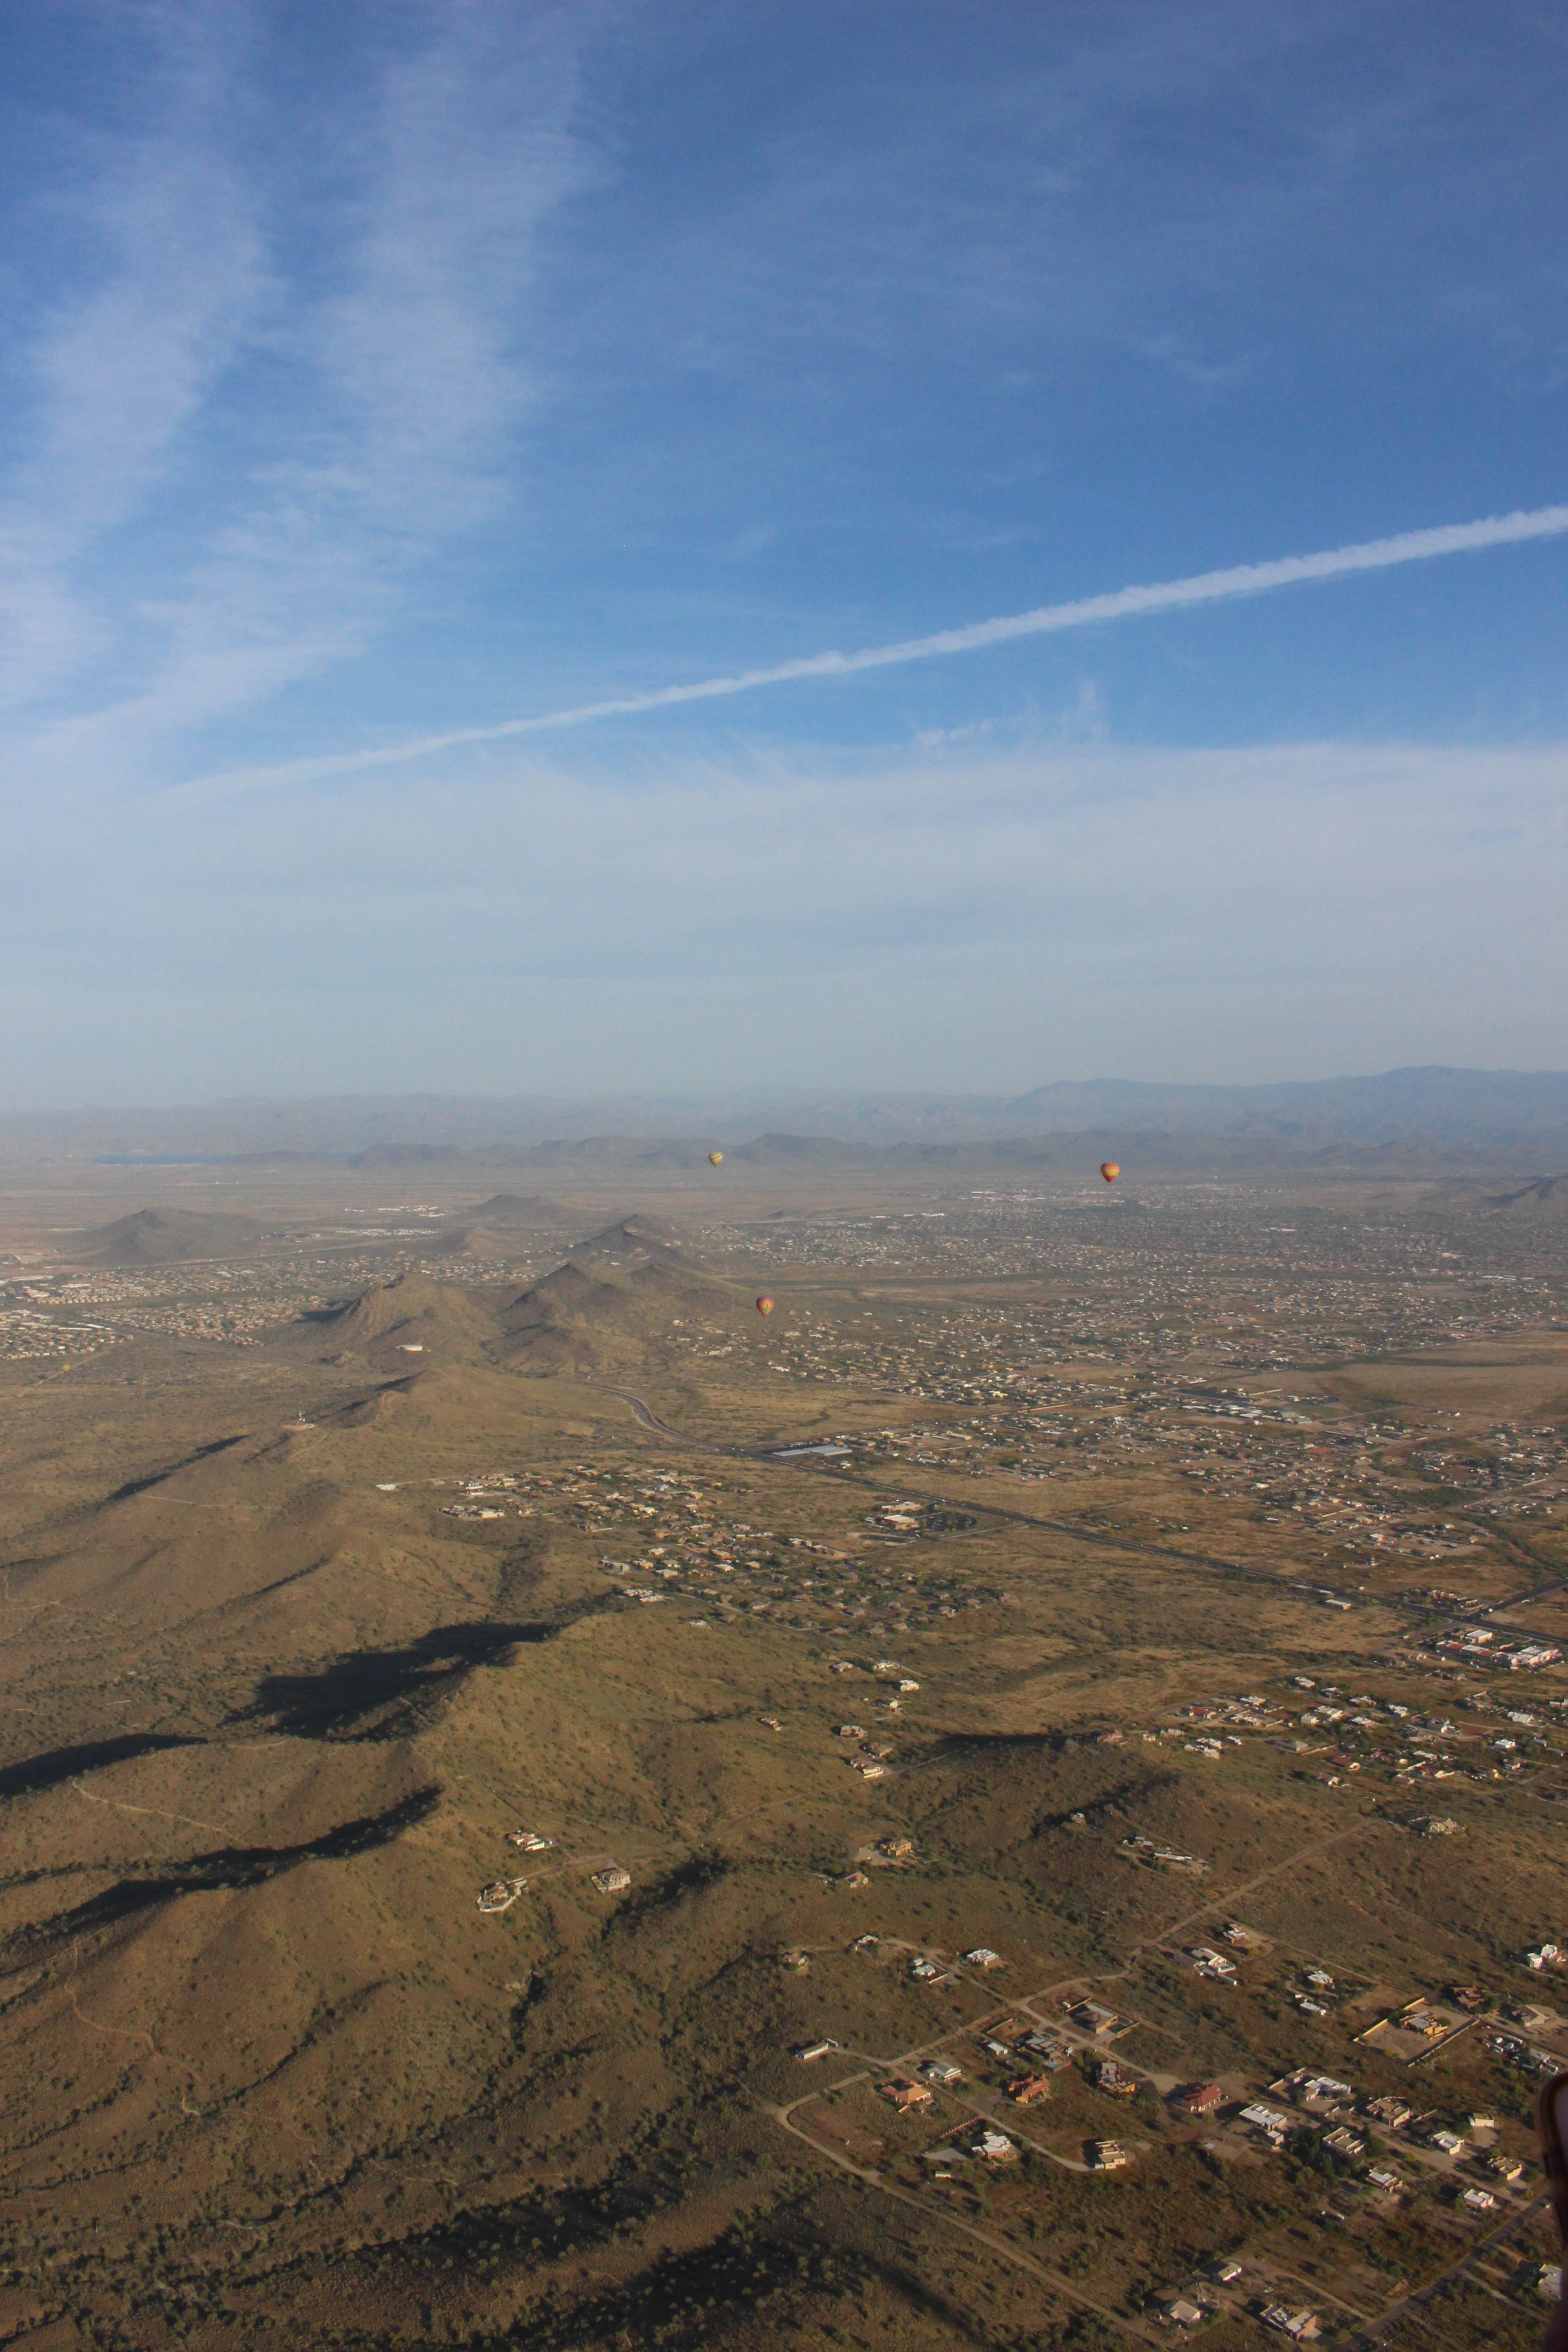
(57,1764)
(673,1887)
(387,1693)
(1002,1743)
(233,1866)
(186,1461)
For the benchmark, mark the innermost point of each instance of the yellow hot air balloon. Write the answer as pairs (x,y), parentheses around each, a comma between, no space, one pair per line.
(1111,1169)
(714,1158)
(765,1305)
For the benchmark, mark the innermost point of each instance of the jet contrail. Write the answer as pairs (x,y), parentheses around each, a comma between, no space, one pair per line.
(1118,605)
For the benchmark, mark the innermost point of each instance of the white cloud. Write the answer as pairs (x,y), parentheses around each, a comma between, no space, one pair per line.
(965,916)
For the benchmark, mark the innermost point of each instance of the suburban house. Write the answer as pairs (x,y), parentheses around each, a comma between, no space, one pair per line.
(1268,2120)
(501,1893)
(1390,2112)
(1089,2016)
(1110,2077)
(1208,1962)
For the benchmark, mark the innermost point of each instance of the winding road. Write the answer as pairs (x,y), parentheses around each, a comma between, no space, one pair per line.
(1369,2331)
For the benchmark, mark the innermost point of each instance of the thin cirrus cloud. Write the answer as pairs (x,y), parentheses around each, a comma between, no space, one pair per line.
(289,369)
(166,274)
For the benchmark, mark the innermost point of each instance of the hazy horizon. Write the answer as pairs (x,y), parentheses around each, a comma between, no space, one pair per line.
(764,1092)
(1434,1118)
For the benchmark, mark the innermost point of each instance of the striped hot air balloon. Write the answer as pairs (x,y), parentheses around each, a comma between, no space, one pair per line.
(1111,1169)
(765,1305)
(715,1159)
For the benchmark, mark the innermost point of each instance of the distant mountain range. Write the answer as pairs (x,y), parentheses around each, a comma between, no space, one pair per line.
(1400,1116)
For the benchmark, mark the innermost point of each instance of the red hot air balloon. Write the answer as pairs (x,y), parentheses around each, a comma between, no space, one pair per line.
(765,1305)
(1111,1169)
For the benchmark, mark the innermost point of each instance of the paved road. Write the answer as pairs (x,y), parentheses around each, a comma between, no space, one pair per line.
(650,1420)
(783,2116)
(906,2060)
(1104,1538)
(930,2212)
(1423,2295)
(1140,1545)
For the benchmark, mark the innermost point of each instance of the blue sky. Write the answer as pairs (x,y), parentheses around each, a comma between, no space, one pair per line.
(372,374)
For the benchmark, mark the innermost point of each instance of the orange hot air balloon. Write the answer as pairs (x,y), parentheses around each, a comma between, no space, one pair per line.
(714,1159)
(1111,1169)
(765,1305)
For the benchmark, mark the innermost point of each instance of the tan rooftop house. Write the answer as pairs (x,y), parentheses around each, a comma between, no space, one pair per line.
(1392,2111)
(1025,2089)
(612,1880)
(904,2094)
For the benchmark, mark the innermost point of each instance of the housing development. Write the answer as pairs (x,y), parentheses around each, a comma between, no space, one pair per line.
(1016,1799)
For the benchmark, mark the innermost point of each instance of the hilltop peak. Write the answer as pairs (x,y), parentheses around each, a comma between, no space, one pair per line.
(413,1311)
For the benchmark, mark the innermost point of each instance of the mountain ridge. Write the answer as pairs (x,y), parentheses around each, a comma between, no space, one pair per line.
(1437,1105)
